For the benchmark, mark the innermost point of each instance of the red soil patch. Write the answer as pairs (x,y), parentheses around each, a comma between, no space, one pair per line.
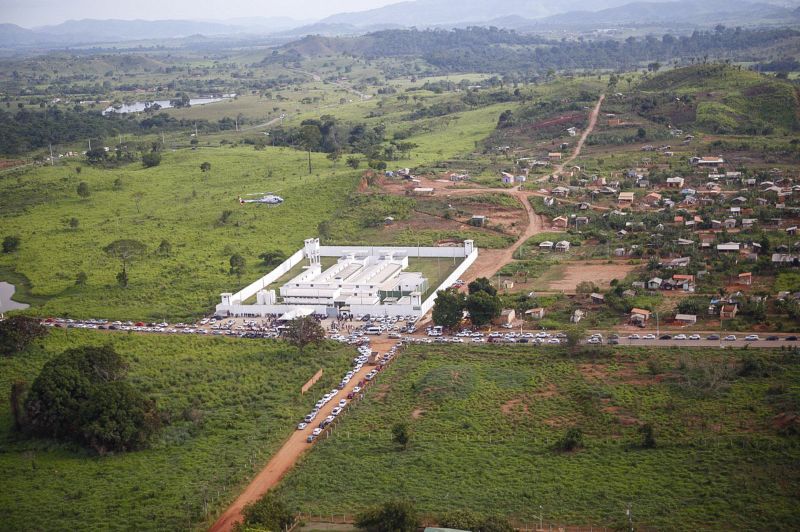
(514,405)
(417,413)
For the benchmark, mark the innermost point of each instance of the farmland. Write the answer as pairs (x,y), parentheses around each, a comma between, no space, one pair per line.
(231,403)
(483,421)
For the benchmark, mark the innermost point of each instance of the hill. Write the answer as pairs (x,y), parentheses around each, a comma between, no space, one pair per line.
(722,99)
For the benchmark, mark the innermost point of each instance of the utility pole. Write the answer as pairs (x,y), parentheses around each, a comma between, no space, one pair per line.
(52,163)
(90,144)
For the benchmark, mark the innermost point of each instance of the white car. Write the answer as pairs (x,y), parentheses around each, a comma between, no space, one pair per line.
(336,411)
(342,403)
(554,341)
(752,338)
(633,337)
(679,337)
(594,340)
(317,431)
(694,337)
(301,426)
(730,338)
(650,336)
(357,389)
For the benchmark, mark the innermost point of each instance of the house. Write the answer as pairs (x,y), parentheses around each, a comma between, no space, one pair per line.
(477,220)
(680,262)
(520,179)
(707,161)
(597,298)
(684,242)
(746,278)
(546,245)
(583,206)
(554,156)
(728,247)
(729,223)
(507,316)
(625,197)
(791,230)
(654,283)
(549,201)
(728,312)
(506,178)
(581,220)
(560,221)
(781,259)
(535,313)
(675,182)
(686,282)
(638,284)
(459,177)
(619,252)
(562,246)
(639,316)
(508,284)
(716,224)
(652,198)
(739,200)
(685,319)
(560,191)
(747,223)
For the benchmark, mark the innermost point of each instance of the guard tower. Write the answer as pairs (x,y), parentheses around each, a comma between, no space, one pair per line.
(469,247)
(311,251)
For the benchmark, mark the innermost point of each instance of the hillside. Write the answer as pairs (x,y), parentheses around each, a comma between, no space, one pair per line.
(722,99)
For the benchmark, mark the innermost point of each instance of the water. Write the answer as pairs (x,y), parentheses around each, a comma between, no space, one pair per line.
(138,107)
(6,291)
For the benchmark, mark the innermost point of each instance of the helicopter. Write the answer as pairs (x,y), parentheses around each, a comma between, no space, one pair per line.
(266,197)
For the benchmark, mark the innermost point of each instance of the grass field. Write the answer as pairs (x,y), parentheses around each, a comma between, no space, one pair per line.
(483,420)
(232,403)
(174,201)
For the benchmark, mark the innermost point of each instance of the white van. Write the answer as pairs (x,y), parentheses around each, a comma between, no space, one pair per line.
(374,330)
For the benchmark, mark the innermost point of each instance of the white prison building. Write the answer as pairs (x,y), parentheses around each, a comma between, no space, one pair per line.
(364,280)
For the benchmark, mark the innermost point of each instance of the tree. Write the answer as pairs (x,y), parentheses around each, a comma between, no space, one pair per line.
(401,435)
(117,185)
(81,395)
(460,520)
(648,436)
(268,513)
(495,523)
(151,159)
(81,278)
(10,244)
(482,284)
(334,157)
(73,223)
(96,156)
(483,308)
(353,162)
(126,250)
(396,516)
(272,258)
(574,337)
(572,439)
(238,264)
(310,138)
(83,189)
(586,287)
(18,332)
(205,167)
(448,308)
(303,331)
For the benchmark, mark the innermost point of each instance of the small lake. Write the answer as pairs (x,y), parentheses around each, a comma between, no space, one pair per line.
(6,291)
(138,107)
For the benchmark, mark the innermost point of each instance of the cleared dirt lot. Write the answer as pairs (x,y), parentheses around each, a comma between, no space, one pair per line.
(565,277)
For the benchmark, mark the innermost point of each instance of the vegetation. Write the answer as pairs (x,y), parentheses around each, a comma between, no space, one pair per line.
(18,332)
(501,410)
(268,513)
(303,331)
(226,406)
(395,516)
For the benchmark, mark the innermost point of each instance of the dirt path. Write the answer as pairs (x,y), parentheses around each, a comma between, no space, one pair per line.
(559,168)
(283,460)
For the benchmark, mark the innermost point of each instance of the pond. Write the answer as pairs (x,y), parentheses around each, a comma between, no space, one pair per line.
(6,291)
(138,107)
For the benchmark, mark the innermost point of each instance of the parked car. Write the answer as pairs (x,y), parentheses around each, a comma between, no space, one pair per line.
(791,338)
(694,337)
(772,338)
(310,438)
(712,337)
(752,338)
(650,336)
(633,336)
(679,337)
(730,338)
(665,337)
(301,425)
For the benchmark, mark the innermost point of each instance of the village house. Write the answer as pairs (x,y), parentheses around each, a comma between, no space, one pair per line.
(597,298)
(707,161)
(652,199)
(535,313)
(554,156)
(477,220)
(506,178)
(686,282)
(547,245)
(625,198)
(654,283)
(675,182)
(560,221)
(728,311)
(619,252)
(562,246)
(560,191)
(507,316)
(728,247)
(639,316)
(746,278)
(685,319)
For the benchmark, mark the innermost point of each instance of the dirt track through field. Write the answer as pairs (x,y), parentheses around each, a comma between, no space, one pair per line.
(559,168)
(283,460)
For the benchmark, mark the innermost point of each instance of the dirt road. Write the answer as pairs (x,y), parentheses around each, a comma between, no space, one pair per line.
(282,461)
(559,168)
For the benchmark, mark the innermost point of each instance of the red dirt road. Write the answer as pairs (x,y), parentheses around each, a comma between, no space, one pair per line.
(282,461)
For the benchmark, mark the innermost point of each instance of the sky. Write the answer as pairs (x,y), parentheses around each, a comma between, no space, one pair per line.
(32,13)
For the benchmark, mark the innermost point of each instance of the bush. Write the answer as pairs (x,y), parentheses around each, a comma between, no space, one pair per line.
(151,159)
(268,512)
(572,439)
(18,332)
(10,244)
(396,516)
(648,436)
(81,395)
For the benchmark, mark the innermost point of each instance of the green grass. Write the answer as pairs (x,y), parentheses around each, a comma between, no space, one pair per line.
(483,420)
(178,203)
(247,396)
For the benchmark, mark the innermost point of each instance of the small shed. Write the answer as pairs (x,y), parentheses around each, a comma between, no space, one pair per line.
(686,319)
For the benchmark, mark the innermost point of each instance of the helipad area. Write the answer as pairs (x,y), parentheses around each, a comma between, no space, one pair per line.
(363,280)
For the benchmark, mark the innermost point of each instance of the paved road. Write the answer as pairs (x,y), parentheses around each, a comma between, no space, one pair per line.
(739,342)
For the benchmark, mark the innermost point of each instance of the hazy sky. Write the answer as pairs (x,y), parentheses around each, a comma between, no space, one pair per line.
(30,13)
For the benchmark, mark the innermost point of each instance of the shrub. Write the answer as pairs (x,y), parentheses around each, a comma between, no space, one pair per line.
(151,159)
(572,439)
(18,332)
(10,244)
(268,512)
(396,516)
(648,436)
